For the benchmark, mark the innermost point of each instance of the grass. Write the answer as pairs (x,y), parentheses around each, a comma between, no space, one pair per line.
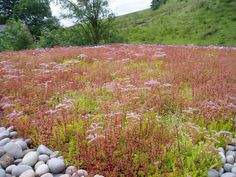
(124,110)
(204,22)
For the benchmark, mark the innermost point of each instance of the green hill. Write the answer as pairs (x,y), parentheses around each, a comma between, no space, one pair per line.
(201,22)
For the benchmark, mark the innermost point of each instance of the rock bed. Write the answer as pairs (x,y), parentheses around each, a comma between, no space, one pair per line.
(228,158)
(17,159)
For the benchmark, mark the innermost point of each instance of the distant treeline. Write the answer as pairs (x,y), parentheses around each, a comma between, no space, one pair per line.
(30,24)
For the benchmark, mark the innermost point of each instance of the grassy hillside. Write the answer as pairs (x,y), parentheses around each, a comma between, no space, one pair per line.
(202,22)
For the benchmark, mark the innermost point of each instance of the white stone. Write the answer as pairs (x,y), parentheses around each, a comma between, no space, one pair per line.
(9,168)
(43,157)
(47,175)
(19,169)
(44,150)
(38,164)
(13,149)
(30,159)
(223,159)
(233,170)
(230,159)
(56,165)
(228,167)
(41,170)
(211,173)
(28,173)
(2,173)
(22,144)
(70,170)
(230,148)
(228,175)
(80,173)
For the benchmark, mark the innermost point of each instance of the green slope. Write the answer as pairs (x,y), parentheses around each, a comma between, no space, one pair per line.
(202,22)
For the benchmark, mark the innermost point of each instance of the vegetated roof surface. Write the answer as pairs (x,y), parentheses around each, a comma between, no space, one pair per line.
(124,109)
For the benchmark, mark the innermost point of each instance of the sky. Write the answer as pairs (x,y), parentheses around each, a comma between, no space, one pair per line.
(118,7)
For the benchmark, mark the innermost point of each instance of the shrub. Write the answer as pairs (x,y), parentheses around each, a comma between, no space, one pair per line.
(15,37)
(61,37)
(74,36)
(157,3)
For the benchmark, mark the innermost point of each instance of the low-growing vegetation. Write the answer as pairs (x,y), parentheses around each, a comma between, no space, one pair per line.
(198,22)
(124,110)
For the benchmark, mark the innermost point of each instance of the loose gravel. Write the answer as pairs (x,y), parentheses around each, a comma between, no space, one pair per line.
(228,159)
(18,160)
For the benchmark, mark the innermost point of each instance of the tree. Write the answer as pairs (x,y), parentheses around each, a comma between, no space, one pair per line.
(62,37)
(6,9)
(93,16)
(36,14)
(15,37)
(157,3)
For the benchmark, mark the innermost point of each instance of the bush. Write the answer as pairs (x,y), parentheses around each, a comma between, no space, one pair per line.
(15,37)
(74,36)
(157,3)
(61,37)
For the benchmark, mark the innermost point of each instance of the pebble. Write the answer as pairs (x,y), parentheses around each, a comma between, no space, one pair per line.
(38,164)
(221,171)
(6,160)
(55,154)
(44,150)
(233,153)
(28,141)
(81,173)
(18,170)
(230,148)
(61,157)
(17,160)
(47,175)
(22,144)
(13,134)
(56,165)
(70,170)
(41,170)
(233,170)
(9,168)
(228,175)
(2,129)
(13,149)
(4,134)
(228,167)
(28,173)
(65,175)
(220,149)
(230,159)
(43,157)
(223,159)
(4,141)
(10,129)
(27,151)
(30,159)
(58,175)
(2,173)
(212,173)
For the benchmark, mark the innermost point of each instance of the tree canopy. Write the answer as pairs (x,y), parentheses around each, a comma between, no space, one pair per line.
(36,14)
(93,15)
(6,9)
